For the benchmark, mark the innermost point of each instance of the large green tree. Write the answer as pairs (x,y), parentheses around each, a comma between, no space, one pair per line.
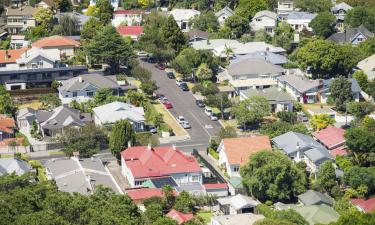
(341,92)
(361,142)
(283,36)
(173,35)
(358,177)
(206,21)
(324,24)
(121,136)
(315,6)
(252,110)
(109,47)
(278,128)
(326,176)
(361,109)
(272,176)
(104,11)
(361,16)
(248,8)
(236,26)
(7,106)
(91,28)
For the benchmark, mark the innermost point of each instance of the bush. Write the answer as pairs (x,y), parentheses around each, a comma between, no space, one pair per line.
(145,138)
(213,153)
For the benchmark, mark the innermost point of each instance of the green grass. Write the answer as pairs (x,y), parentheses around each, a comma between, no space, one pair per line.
(56,153)
(6,155)
(25,140)
(205,215)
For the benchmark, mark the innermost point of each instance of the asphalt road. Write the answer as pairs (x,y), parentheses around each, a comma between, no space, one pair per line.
(202,128)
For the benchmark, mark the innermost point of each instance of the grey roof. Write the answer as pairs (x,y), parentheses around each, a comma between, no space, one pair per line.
(226,10)
(62,116)
(350,33)
(194,33)
(355,88)
(312,197)
(10,165)
(23,11)
(341,6)
(115,111)
(271,57)
(267,13)
(295,15)
(300,83)
(26,113)
(238,219)
(81,19)
(83,81)
(238,201)
(291,142)
(254,67)
(192,188)
(272,94)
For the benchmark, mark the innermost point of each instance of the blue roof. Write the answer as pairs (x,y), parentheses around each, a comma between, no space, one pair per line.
(301,16)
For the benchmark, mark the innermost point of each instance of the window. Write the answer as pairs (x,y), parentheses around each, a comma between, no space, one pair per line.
(285,106)
(138,182)
(31,77)
(258,20)
(236,169)
(195,178)
(74,94)
(14,77)
(90,94)
(40,63)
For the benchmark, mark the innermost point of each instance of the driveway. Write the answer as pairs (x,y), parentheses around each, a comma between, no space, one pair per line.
(184,105)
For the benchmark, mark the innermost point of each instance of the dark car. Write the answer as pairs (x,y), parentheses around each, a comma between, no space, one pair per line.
(171,75)
(199,103)
(184,87)
(160,66)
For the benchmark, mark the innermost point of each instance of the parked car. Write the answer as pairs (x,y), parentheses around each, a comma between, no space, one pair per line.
(163,99)
(184,86)
(180,119)
(199,103)
(160,66)
(213,117)
(168,105)
(153,129)
(142,54)
(171,75)
(208,111)
(186,125)
(179,82)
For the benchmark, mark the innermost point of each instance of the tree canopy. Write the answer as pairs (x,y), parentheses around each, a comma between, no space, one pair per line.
(361,16)
(252,110)
(341,92)
(314,6)
(7,106)
(121,136)
(324,24)
(278,128)
(248,8)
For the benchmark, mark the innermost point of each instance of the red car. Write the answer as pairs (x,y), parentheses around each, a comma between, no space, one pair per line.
(168,105)
(160,66)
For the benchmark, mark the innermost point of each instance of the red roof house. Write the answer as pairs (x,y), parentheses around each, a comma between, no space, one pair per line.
(130,31)
(11,55)
(366,206)
(179,216)
(142,162)
(332,137)
(139,195)
(7,125)
(65,45)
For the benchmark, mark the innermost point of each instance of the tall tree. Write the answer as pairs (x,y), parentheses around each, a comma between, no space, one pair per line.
(69,25)
(62,5)
(44,17)
(91,28)
(152,213)
(121,136)
(104,11)
(109,47)
(252,110)
(324,24)
(206,21)
(272,176)
(361,16)
(326,176)
(204,72)
(284,36)
(50,101)
(248,8)
(7,106)
(237,26)
(361,142)
(173,35)
(341,92)
(184,203)
(314,6)
(361,109)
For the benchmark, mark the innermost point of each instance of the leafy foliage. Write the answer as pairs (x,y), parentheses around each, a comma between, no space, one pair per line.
(50,101)
(122,134)
(360,109)
(315,6)
(7,106)
(283,36)
(321,121)
(341,92)
(236,26)
(323,24)
(358,177)
(278,128)
(104,11)
(248,8)
(251,110)
(206,21)
(326,176)
(286,116)
(361,16)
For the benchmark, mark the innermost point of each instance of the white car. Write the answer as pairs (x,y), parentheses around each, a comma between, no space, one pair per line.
(208,111)
(179,82)
(180,119)
(142,54)
(186,125)
(213,117)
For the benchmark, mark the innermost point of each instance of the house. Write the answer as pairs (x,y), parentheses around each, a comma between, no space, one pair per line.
(7,127)
(25,118)
(251,73)
(138,164)
(81,19)
(236,186)
(300,147)
(235,152)
(224,14)
(363,205)
(300,20)
(333,139)
(216,189)
(279,100)
(368,66)
(284,7)
(47,4)
(81,176)
(274,58)
(51,123)
(312,197)
(113,112)
(129,17)
(83,87)
(141,194)
(14,165)
(237,204)
(18,41)
(236,219)
(339,11)
(183,17)
(353,36)
(264,19)
(197,35)
(19,19)
(134,32)
(354,86)
(115,3)
(313,214)
(64,45)
(180,217)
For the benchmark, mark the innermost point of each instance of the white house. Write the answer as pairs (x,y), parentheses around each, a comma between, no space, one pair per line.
(300,20)
(115,111)
(19,20)
(183,17)
(129,17)
(284,7)
(340,10)
(368,66)
(352,35)
(235,152)
(83,87)
(115,3)
(64,45)
(237,204)
(224,14)
(266,20)
(236,219)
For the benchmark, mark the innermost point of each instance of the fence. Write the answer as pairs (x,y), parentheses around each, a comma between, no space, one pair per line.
(46,147)
(14,149)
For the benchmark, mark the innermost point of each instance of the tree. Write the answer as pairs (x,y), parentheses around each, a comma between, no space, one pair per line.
(237,26)
(321,121)
(354,217)
(360,109)
(136,98)
(272,176)
(287,116)
(268,221)
(262,35)
(165,221)
(102,95)
(248,8)
(341,92)
(148,87)
(227,132)
(141,74)
(184,203)
(361,16)
(204,72)
(121,136)
(358,177)
(361,142)
(278,128)
(50,101)
(7,106)
(44,17)
(62,5)
(220,101)
(169,196)
(361,78)
(91,28)
(206,21)
(173,35)
(314,6)
(68,25)
(153,213)
(109,47)
(104,11)
(251,110)
(326,176)
(324,24)
(283,36)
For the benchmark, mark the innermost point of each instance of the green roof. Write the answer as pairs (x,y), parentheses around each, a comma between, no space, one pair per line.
(236,182)
(312,197)
(148,184)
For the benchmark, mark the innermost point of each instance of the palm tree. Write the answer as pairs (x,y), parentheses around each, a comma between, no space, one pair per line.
(228,52)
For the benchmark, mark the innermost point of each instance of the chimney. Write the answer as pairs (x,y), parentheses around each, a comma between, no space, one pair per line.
(129,144)
(149,147)
(6,55)
(297,147)
(174,147)
(80,80)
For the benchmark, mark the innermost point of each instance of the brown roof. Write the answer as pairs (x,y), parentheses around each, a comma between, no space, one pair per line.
(48,2)
(10,56)
(238,150)
(7,124)
(22,11)
(55,41)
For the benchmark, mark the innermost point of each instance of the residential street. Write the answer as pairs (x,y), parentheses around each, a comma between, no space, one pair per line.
(184,105)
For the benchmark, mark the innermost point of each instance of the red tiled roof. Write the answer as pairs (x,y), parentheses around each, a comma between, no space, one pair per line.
(158,161)
(216,186)
(129,11)
(55,41)
(339,151)
(144,193)
(366,205)
(130,30)
(7,124)
(179,216)
(331,137)
(10,56)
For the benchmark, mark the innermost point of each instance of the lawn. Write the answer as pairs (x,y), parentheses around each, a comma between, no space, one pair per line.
(205,215)
(32,104)
(168,119)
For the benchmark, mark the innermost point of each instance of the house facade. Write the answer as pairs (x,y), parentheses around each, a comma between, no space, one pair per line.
(224,14)
(300,20)
(64,45)
(7,127)
(368,66)
(266,20)
(237,204)
(284,7)
(353,36)
(19,19)
(339,11)
(130,17)
(183,17)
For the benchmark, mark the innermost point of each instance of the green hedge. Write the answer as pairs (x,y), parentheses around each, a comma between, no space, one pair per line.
(213,153)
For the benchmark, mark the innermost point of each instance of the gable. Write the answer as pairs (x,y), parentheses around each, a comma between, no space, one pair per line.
(90,87)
